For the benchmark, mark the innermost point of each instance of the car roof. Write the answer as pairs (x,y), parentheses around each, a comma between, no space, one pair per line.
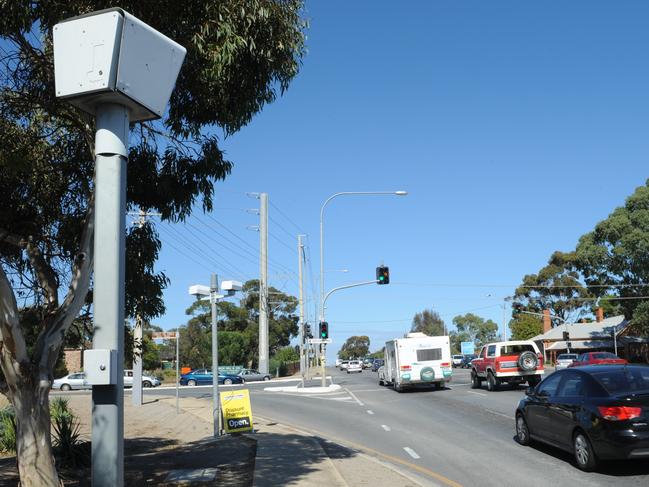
(605,367)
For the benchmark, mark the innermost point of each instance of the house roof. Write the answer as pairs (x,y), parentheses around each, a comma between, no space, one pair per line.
(586,331)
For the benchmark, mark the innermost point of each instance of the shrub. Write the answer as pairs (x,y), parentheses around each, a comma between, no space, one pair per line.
(7,430)
(69,449)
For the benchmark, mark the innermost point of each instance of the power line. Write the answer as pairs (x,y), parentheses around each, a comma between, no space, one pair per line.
(299,229)
(548,286)
(281,227)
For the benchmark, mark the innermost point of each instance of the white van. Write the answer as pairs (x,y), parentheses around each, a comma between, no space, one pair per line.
(417,360)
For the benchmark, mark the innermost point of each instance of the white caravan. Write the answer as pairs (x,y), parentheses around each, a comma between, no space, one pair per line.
(417,360)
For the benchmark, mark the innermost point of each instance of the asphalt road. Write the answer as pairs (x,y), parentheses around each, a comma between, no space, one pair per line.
(450,437)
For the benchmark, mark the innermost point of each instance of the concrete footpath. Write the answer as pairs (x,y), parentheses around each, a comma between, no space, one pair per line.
(163,448)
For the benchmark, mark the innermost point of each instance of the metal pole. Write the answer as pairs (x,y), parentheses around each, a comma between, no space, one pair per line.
(300,251)
(111,148)
(177,371)
(136,392)
(216,413)
(263,283)
(504,324)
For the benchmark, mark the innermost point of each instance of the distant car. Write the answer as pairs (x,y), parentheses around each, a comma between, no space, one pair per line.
(597,412)
(250,375)
(565,360)
(338,362)
(597,358)
(72,381)
(468,359)
(354,366)
(204,377)
(367,363)
(344,364)
(457,360)
(379,362)
(147,380)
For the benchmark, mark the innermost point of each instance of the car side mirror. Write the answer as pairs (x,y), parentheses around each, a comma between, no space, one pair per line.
(530,391)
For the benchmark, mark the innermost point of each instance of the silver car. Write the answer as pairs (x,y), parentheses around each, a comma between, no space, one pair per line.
(564,360)
(72,381)
(250,375)
(147,380)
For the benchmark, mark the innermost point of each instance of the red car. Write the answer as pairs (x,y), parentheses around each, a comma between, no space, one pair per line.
(595,358)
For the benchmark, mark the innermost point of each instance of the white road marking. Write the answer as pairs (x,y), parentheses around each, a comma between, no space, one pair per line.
(411,452)
(499,414)
(385,427)
(369,411)
(478,393)
(354,396)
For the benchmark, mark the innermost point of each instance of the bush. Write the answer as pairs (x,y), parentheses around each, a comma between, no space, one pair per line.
(7,430)
(69,450)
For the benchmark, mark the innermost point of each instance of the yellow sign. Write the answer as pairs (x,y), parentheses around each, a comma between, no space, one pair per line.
(236,410)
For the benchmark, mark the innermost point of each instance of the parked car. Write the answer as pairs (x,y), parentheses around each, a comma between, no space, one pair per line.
(72,381)
(354,366)
(565,360)
(457,360)
(597,412)
(147,380)
(597,358)
(250,375)
(205,377)
(379,362)
(510,362)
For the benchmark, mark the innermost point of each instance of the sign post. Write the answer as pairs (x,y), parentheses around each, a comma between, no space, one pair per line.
(172,335)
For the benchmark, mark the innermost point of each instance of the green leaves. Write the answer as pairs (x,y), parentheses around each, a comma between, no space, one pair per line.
(355,347)
(428,322)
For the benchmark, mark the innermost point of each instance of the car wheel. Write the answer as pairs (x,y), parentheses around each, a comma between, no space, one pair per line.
(584,454)
(492,382)
(191,383)
(266,378)
(66,387)
(438,386)
(397,387)
(146,383)
(227,382)
(522,431)
(475,380)
(381,383)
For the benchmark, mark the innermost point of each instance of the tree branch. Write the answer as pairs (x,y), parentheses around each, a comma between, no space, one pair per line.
(13,349)
(51,338)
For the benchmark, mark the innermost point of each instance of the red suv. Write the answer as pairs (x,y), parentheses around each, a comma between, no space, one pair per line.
(512,362)
(594,358)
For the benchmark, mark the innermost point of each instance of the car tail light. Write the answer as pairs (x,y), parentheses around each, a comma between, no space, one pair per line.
(406,367)
(446,364)
(619,413)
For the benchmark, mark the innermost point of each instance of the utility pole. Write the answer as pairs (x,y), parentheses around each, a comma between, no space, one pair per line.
(263,283)
(300,254)
(136,391)
(216,406)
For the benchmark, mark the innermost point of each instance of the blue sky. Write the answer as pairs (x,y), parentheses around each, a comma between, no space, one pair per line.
(515,127)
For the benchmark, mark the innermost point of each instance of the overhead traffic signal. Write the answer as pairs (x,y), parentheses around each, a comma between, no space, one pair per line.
(307,331)
(324,330)
(382,275)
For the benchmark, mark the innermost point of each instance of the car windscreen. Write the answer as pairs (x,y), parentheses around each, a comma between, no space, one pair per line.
(567,356)
(516,349)
(427,354)
(624,380)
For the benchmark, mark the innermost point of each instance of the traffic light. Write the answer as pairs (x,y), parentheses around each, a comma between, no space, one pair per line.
(307,331)
(324,330)
(382,275)
(566,336)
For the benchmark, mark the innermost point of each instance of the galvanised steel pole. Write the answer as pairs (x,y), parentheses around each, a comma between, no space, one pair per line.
(111,149)
(216,407)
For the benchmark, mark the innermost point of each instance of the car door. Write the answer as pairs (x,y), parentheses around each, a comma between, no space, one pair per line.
(538,406)
(78,381)
(564,408)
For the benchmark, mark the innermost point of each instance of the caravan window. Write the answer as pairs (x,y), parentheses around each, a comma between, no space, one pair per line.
(426,354)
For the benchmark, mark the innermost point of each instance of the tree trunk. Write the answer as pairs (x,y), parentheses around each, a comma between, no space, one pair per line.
(33,438)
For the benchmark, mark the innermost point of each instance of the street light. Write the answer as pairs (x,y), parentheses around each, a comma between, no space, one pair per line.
(322,290)
(201,292)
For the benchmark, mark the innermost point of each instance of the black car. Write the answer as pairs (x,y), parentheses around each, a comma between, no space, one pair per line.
(377,363)
(596,412)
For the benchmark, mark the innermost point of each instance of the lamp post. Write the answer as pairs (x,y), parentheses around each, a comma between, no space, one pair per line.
(211,292)
(324,205)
